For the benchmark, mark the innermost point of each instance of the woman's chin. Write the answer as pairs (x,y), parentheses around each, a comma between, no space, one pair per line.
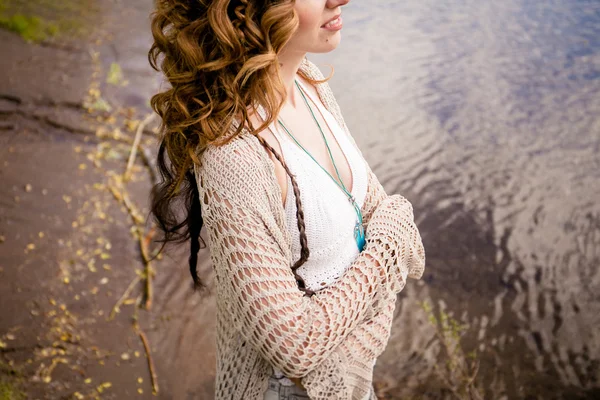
(330,43)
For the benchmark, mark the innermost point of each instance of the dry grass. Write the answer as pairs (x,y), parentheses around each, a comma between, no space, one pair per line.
(458,372)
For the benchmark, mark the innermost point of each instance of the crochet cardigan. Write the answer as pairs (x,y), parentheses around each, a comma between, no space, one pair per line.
(331,339)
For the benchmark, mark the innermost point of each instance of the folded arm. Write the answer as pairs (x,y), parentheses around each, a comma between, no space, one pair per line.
(366,343)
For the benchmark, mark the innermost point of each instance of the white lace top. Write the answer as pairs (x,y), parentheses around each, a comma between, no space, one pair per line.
(329,216)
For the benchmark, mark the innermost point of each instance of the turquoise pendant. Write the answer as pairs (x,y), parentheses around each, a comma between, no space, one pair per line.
(359,235)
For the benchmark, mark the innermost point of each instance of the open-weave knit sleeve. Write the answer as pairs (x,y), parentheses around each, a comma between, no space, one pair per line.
(293,332)
(353,360)
(375,195)
(365,343)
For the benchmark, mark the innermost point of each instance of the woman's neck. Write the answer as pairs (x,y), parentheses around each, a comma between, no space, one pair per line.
(289,64)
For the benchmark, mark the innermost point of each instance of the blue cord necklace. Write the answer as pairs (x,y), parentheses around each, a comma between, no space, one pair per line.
(359,232)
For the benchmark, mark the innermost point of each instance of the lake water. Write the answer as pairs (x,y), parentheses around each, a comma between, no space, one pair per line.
(486,115)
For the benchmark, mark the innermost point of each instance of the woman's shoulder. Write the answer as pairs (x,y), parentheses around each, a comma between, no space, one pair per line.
(236,167)
(241,148)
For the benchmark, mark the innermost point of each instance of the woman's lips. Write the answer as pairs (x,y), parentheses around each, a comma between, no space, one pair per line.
(334,25)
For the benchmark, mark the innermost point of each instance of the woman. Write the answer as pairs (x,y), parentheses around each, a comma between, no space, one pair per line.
(308,250)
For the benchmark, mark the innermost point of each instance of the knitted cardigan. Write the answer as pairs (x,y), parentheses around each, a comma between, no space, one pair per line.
(331,339)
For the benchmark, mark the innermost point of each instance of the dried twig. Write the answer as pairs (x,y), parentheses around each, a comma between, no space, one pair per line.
(150,164)
(124,198)
(144,242)
(115,309)
(153,376)
(135,145)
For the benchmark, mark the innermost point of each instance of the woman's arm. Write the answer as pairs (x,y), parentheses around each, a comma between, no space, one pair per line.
(375,195)
(359,352)
(366,343)
(293,332)
(368,340)
(320,376)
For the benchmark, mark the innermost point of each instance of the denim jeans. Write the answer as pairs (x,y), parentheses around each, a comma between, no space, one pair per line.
(277,391)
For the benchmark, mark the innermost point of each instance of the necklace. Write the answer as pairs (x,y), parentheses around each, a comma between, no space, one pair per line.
(359,232)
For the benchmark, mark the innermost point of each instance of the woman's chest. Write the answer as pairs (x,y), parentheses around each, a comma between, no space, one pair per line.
(318,138)
(330,218)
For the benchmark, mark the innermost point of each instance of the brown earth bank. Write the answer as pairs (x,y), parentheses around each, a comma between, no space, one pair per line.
(78,320)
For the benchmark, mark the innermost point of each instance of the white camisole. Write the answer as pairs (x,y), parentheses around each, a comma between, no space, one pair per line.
(329,216)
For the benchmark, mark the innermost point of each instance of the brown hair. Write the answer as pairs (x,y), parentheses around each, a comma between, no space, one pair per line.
(220,59)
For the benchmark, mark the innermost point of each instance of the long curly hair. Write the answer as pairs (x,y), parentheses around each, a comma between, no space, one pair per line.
(220,59)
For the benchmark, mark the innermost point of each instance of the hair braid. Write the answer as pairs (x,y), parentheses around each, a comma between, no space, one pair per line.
(194,224)
(304,251)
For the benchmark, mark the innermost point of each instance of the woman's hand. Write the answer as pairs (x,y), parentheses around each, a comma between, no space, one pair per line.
(392,226)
